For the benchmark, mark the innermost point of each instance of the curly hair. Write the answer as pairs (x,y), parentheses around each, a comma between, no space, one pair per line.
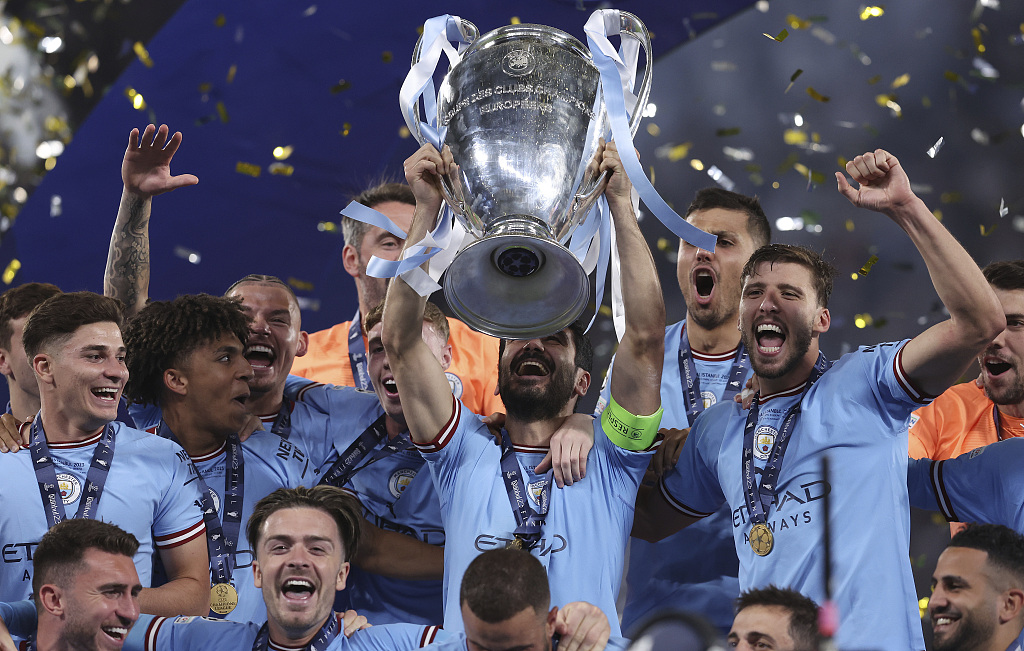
(165,333)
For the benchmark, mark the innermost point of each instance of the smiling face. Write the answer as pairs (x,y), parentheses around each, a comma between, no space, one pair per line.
(217,379)
(710,282)
(275,337)
(102,604)
(1002,373)
(83,375)
(780,321)
(964,602)
(382,244)
(762,628)
(299,566)
(538,378)
(381,377)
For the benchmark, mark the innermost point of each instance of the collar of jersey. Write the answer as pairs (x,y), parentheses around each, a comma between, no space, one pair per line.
(785,393)
(210,456)
(67,445)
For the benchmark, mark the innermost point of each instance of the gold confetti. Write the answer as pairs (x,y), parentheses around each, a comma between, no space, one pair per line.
(794,137)
(514,20)
(140,51)
(282,153)
(951,76)
(653,129)
(605,311)
(985,232)
(650,174)
(926,101)
(902,80)
(281,169)
(697,165)
(950,197)
(976,35)
(866,269)
(850,225)
(874,80)
(938,214)
(220,20)
(205,87)
(664,244)
(854,276)
(797,23)
(403,132)
(327,227)
(679,152)
(340,86)
(871,12)
(780,38)
(302,285)
(50,163)
(775,185)
(345,129)
(248,169)
(731,131)
(386,56)
(788,164)
(222,112)
(793,78)
(922,605)
(817,96)
(842,162)
(11,271)
(862,320)
(231,73)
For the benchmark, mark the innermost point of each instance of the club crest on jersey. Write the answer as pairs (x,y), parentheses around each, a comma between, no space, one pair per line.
(400,480)
(913,420)
(536,492)
(764,441)
(708,398)
(70,487)
(455,383)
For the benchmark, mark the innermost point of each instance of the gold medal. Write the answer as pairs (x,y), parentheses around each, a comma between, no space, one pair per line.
(761,539)
(223,598)
(517,543)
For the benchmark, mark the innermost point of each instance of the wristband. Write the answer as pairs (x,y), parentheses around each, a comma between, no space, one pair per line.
(629,431)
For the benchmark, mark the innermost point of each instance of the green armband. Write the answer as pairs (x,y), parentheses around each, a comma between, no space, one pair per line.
(628,431)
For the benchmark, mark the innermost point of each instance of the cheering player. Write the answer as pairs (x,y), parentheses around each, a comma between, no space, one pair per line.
(855,412)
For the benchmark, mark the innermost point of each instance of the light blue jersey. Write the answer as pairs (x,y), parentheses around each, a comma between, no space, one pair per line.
(150,492)
(696,569)
(587,525)
(856,413)
(270,463)
(396,492)
(983,485)
(457,642)
(201,633)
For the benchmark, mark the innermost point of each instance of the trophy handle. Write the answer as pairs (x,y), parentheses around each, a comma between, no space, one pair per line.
(448,185)
(630,25)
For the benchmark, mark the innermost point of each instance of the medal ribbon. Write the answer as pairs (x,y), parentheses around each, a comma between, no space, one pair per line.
(345,468)
(357,354)
(323,639)
(283,422)
(998,422)
(691,382)
(530,522)
(222,529)
(46,475)
(759,499)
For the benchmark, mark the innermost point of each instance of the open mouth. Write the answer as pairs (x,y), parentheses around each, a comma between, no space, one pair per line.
(942,622)
(532,367)
(997,367)
(298,589)
(106,393)
(260,356)
(770,338)
(390,387)
(704,283)
(117,633)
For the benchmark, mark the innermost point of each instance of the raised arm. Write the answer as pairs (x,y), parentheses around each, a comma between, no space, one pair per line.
(187,591)
(426,394)
(146,172)
(937,357)
(636,383)
(397,555)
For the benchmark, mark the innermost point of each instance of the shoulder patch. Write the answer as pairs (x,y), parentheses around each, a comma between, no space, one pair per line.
(455,383)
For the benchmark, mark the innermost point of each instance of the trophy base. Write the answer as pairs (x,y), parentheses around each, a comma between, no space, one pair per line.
(516,286)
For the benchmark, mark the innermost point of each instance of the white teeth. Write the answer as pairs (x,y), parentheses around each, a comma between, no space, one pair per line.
(292,584)
(116,631)
(259,349)
(770,349)
(769,327)
(107,393)
(943,620)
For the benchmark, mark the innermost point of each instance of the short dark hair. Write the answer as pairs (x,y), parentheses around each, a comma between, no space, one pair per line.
(715,197)
(803,613)
(352,230)
(431,314)
(343,508)
(1004,546)
(19,301)
(501,583)
(62,549)
(1006,274)
(584,357)
(60,316)
(165,333)
(262,279)
(822,273)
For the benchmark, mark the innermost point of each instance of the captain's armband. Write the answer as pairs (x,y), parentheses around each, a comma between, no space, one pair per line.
(628,431)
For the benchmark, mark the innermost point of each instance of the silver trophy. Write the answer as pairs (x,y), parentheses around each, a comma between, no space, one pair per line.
(525,114)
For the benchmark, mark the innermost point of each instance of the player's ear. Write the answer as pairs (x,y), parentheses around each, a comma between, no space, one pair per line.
(176,381)
(822,321)
(257,575)
(42,364)
(350,260)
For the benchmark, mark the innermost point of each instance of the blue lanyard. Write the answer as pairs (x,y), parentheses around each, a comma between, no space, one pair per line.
(691,382)
(530,522)
(46,475)
(759,499)
(357,354)
(323,639)
(221,537)
(283,422)
(345,468)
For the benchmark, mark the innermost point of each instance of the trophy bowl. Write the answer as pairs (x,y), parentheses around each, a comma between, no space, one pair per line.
(524,116)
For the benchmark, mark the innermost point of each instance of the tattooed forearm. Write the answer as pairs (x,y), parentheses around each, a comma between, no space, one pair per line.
(127,273)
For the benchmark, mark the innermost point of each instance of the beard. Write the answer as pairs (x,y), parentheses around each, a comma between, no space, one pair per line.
(535,403)
(799,343)
(1010,394)
(972,633)
(710,317)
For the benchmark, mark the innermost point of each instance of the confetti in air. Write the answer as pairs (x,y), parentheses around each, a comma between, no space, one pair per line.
(934,149)
(1003,210)
(866,269)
